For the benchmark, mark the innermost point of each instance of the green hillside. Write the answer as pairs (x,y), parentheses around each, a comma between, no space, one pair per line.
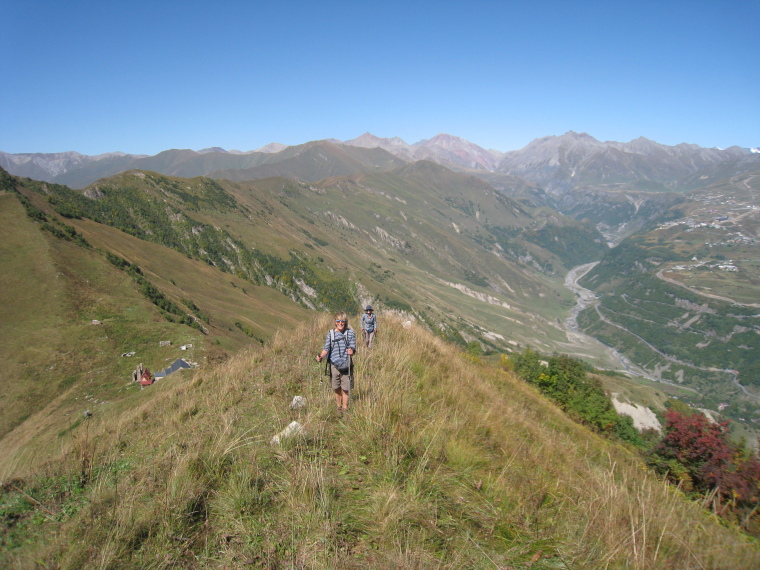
(423,239)
(443,461)
(57,363)
(219,265)
(680,299)
(440,463)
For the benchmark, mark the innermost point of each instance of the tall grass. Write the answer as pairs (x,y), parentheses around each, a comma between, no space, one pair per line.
(441,462)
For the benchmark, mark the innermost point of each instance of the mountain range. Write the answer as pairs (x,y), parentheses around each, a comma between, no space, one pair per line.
(554,162)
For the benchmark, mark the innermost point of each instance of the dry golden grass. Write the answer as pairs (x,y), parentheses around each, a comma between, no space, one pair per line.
(440,463)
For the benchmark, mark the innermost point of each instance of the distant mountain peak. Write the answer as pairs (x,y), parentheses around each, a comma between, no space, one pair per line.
(456,152)
(272,148)
(446,140)
(211,149)
(446,136)
(368,136)
(368,140)
(581,136)
(560,163)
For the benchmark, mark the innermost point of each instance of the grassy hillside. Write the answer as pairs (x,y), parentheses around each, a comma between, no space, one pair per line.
(244,259)
(444,247)
(440,463)
(58,364)
(680,299)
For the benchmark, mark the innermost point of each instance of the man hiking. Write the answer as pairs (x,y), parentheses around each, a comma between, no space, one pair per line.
(340,346)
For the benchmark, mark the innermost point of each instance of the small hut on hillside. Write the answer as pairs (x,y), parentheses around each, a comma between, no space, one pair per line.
(146,379)
(178,364)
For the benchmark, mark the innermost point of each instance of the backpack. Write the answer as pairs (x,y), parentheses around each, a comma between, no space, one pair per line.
(345,367)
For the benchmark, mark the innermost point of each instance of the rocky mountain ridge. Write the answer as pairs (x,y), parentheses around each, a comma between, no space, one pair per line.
(557,163)
(577,159)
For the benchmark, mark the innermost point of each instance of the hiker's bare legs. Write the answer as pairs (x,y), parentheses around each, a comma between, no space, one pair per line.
(341,398)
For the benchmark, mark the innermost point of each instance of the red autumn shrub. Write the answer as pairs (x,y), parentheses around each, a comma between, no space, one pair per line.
(698,453)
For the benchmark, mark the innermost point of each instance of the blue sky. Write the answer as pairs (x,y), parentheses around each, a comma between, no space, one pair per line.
(142,77)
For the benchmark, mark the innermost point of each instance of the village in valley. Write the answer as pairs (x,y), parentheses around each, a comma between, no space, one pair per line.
(722,234)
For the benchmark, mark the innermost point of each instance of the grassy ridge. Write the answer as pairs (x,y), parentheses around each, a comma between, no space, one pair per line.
(441,463)
(51,290)
(57,364)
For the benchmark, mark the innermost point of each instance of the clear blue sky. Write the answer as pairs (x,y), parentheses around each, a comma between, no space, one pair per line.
(146,76)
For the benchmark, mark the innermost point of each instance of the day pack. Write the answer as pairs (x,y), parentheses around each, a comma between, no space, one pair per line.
(343,363)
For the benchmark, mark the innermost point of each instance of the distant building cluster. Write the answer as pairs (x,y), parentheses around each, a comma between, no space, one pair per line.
(722,214)
(721,266)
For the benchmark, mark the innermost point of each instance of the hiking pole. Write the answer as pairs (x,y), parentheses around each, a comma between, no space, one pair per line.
(351,371)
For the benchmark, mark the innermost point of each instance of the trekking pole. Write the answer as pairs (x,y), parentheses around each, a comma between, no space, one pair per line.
(351,370)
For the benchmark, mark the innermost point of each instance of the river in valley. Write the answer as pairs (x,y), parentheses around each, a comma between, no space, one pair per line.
(585,343)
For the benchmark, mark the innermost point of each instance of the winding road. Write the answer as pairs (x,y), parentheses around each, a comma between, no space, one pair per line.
(587,298)
(702,293)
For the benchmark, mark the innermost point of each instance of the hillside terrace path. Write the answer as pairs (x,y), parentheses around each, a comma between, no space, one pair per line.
(703,294)
(587,297)
(632,368)
(733,373)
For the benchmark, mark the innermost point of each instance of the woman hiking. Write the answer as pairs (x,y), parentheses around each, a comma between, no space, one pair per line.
(340,345)
(369,326)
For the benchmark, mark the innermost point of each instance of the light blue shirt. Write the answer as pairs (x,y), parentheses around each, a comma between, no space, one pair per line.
(369,322)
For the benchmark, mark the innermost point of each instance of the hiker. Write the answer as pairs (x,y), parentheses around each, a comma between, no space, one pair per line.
(369,326)
(340,346)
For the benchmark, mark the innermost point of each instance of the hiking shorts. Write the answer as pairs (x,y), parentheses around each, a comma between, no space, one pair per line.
(338,380)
